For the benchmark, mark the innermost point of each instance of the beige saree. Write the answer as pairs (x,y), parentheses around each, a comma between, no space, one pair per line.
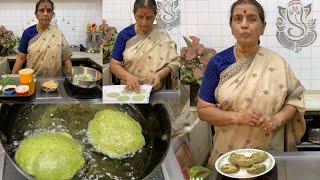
(264,83)
(146,54)
(47,51)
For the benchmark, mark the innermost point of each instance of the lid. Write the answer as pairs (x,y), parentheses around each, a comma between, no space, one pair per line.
(22,88)
(26,71)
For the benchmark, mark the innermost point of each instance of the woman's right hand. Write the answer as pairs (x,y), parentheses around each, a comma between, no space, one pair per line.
(133,82)
(248,117)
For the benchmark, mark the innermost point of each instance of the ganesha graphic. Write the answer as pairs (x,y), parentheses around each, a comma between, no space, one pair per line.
(295,26)
(168,15)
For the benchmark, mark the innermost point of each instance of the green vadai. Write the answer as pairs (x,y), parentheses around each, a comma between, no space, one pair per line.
(115,134)
(50,155)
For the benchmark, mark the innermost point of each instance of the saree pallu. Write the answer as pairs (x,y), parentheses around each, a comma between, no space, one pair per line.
(264,83)
(146,54)
(47,51)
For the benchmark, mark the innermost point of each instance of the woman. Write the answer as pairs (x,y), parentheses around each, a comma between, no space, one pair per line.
(249,93)
(43,46)
(144,53)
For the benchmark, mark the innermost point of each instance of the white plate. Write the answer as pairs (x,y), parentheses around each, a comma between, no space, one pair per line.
(130,96)
(242,173)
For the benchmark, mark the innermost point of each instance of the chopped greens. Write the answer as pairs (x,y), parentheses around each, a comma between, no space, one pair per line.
(7,81)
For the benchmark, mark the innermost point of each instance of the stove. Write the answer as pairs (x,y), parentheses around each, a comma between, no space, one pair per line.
(312,119)
(82,93)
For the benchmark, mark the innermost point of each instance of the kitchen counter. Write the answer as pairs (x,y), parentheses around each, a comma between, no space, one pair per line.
(96,57)
(312,100)
(294,165)
(162,96)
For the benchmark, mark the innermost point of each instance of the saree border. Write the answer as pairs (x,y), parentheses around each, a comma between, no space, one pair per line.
(137,38)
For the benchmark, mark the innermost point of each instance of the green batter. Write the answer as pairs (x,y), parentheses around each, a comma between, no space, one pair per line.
(123,98)
(142,91)
(50,156)
(115,134)
(127,91)
(138,98)
(113,94)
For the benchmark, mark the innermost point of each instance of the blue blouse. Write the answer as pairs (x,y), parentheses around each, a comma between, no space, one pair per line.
(211,77)
(27,35)
(120,44)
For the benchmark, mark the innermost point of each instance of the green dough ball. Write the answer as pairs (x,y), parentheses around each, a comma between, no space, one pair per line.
(234,157)
(115,134)
(257,169)
(113,95)
(241,160)
(138,98)
(259,157)
(127,91)
(230,168)
(50,155)
(123,98)
(142,91)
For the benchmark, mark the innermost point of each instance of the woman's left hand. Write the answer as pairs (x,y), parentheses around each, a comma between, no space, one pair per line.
(156,81)
(269,123)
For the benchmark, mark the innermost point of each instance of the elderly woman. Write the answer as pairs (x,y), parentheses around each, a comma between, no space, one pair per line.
(249,93)
(144,53)
(43,46)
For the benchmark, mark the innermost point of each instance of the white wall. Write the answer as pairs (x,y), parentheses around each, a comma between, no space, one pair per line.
(72,16)
(119,14)
(208,20)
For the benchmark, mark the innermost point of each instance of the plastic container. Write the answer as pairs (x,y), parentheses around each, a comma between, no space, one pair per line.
(22,89)
(26,75)
(32,87)
(9,89)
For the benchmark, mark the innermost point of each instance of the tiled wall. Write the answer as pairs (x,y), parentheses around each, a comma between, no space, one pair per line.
(72,16)
(120,15)
(208,19)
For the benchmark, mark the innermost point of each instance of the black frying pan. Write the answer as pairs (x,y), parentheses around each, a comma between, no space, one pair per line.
(18,121)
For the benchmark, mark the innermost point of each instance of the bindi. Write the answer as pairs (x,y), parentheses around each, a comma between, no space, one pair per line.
(244,11)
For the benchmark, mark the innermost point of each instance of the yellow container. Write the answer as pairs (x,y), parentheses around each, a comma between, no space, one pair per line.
(26,76)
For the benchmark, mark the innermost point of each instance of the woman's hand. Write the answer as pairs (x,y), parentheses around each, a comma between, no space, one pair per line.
(155,81)
(133,83)
(248,117)
(269,123)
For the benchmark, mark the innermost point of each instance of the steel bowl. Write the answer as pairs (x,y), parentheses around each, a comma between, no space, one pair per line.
(75,71)
(47,89)
(314,135)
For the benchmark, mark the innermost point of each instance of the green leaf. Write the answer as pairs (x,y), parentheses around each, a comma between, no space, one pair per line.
(199,81)
(199,172)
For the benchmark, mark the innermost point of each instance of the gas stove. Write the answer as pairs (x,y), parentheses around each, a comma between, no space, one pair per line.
(312,119)
(82,93)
